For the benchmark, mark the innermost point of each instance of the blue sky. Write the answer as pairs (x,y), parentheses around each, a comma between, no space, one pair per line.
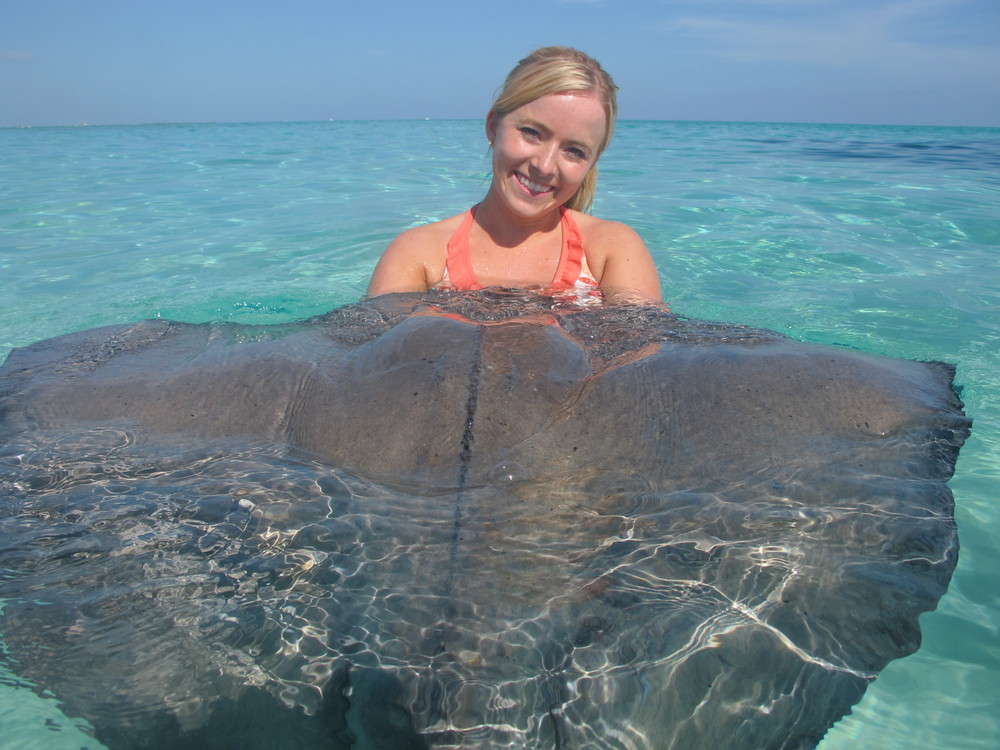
(918,62)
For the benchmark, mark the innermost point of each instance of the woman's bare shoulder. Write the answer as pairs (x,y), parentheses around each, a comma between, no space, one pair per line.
(429,235)
(605,233)
(618,256)
(415,259)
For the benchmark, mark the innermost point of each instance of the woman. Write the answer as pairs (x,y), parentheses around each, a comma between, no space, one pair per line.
(547,128)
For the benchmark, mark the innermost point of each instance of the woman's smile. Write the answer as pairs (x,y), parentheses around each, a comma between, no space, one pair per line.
(534,188)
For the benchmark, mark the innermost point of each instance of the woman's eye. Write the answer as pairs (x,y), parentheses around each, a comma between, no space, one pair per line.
(529,132)
(577,153)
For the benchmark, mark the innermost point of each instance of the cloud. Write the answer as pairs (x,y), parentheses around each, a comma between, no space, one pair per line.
(822,32)
(17,56)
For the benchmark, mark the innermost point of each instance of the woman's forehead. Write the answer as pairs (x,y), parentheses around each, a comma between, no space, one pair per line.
(578,112)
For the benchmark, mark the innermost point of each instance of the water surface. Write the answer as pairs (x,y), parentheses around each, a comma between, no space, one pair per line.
(882,239)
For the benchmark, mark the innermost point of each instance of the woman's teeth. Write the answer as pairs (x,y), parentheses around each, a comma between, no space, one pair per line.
(534,187)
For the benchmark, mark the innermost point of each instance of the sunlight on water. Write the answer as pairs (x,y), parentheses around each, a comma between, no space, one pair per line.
(882,239)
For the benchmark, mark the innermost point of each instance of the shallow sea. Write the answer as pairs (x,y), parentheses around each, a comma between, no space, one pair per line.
(883,239)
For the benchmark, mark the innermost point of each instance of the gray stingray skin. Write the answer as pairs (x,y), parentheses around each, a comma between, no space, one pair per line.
(480,520)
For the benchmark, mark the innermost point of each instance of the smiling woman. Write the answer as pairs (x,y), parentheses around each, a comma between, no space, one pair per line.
(547,128)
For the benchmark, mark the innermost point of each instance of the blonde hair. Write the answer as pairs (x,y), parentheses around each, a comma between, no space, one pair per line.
(555,70)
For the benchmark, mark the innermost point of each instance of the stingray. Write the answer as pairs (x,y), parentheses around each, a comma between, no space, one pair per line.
(468,520)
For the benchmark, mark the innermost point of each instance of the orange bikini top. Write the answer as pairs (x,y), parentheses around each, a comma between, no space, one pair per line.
(571,273)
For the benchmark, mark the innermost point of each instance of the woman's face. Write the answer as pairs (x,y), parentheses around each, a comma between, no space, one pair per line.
(543,150)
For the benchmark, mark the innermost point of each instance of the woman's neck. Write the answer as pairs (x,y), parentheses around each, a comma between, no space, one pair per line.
(507,229)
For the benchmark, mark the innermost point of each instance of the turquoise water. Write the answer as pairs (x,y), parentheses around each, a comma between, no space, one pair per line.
(883,239)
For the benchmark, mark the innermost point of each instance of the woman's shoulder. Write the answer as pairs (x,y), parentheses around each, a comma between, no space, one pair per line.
(415,260)
(602,236)
(619,258)
(433,235)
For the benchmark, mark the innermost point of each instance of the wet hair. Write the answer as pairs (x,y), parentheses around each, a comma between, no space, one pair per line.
(557,70)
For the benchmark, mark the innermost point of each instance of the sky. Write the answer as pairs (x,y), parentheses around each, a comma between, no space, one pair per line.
(899,62)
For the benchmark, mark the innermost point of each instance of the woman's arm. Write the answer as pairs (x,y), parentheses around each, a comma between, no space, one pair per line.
(403,266)
(628,267)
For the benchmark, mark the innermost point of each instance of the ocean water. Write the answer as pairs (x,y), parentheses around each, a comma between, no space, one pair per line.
(883,239)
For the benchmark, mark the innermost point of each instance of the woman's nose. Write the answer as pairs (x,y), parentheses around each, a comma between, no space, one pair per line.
(545,160)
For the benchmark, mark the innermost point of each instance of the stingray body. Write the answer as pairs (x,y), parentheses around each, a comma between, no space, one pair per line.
(478,520)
